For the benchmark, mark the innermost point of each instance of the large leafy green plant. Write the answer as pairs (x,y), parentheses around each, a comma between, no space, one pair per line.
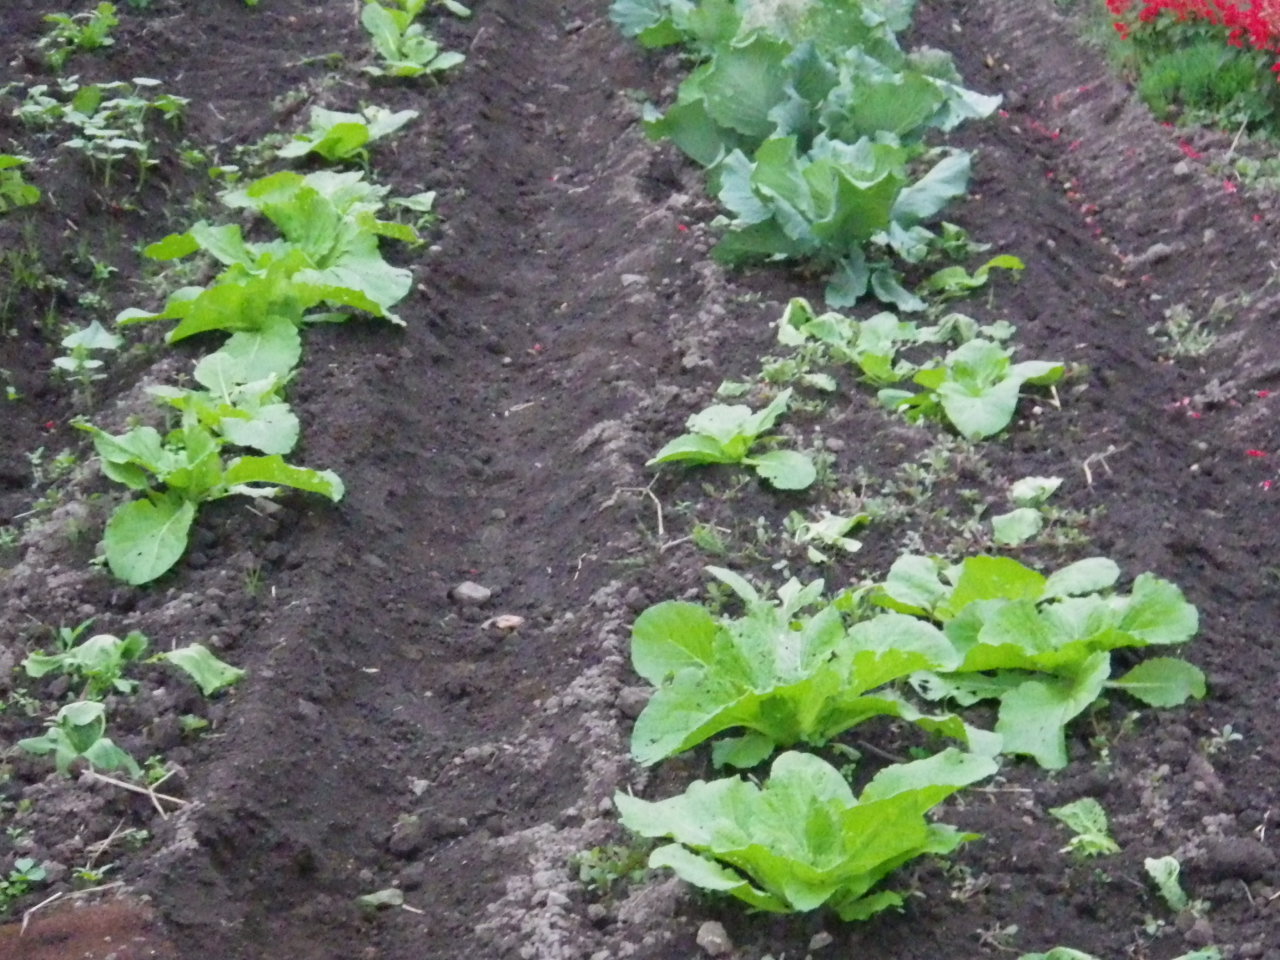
(784,672)
(1041,645)
(844,207)
(176,473)
(327,254)
(803,840)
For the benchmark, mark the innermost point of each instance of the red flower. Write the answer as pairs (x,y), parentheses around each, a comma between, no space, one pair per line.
(1256,453)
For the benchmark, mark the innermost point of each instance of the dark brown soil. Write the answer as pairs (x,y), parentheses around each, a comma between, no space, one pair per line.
(566,321)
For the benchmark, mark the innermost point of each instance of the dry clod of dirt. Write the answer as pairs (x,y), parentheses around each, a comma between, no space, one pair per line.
(1235,858)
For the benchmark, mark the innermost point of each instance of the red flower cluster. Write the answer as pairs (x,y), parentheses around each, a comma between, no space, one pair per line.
(1255,22)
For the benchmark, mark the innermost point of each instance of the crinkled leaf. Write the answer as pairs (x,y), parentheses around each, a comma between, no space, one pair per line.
(1034,716)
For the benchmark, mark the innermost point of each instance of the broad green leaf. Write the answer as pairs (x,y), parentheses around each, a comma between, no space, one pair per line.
(145,538)
(274,350)
(744,82)
(1163,682)
(273,470)
(271,429)
(982,413)
(706,874)
(173,247)
(93,337)
(1034,716)
(784,469)
(1082,577)
(742,752)
(1158,613)
(693,449)
(1017,527)
(669,637)
(201,665)
(993,578)
(925,198)
(913,585)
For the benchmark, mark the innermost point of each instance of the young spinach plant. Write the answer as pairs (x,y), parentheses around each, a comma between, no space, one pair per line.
(725,433)
(78,732)
(407,50)
(340,136)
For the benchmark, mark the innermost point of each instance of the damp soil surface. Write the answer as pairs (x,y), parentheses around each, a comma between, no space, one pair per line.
(566,320)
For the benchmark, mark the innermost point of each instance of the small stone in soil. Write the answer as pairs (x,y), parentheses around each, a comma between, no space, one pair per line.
(713,939)
(470,594)
(820,940)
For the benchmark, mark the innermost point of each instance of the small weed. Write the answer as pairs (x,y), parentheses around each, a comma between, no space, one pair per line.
(24,876)
(1219,740)
(603,869)
(1183,334)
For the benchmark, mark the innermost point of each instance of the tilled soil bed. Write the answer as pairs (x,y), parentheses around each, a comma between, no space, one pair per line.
(566,320)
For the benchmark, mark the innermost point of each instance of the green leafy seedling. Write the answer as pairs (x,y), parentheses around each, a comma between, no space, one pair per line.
(22,879)
(976,388)
(829,531)
(1087,818)
(79,363)
(802,840)
(344,136)
(176,473)
(327,255)
(14,190)
(77,732)
(99,662)
(1164,873)
(725,433)
(1021,524)
(84,32)
(407,50)
(952,282)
